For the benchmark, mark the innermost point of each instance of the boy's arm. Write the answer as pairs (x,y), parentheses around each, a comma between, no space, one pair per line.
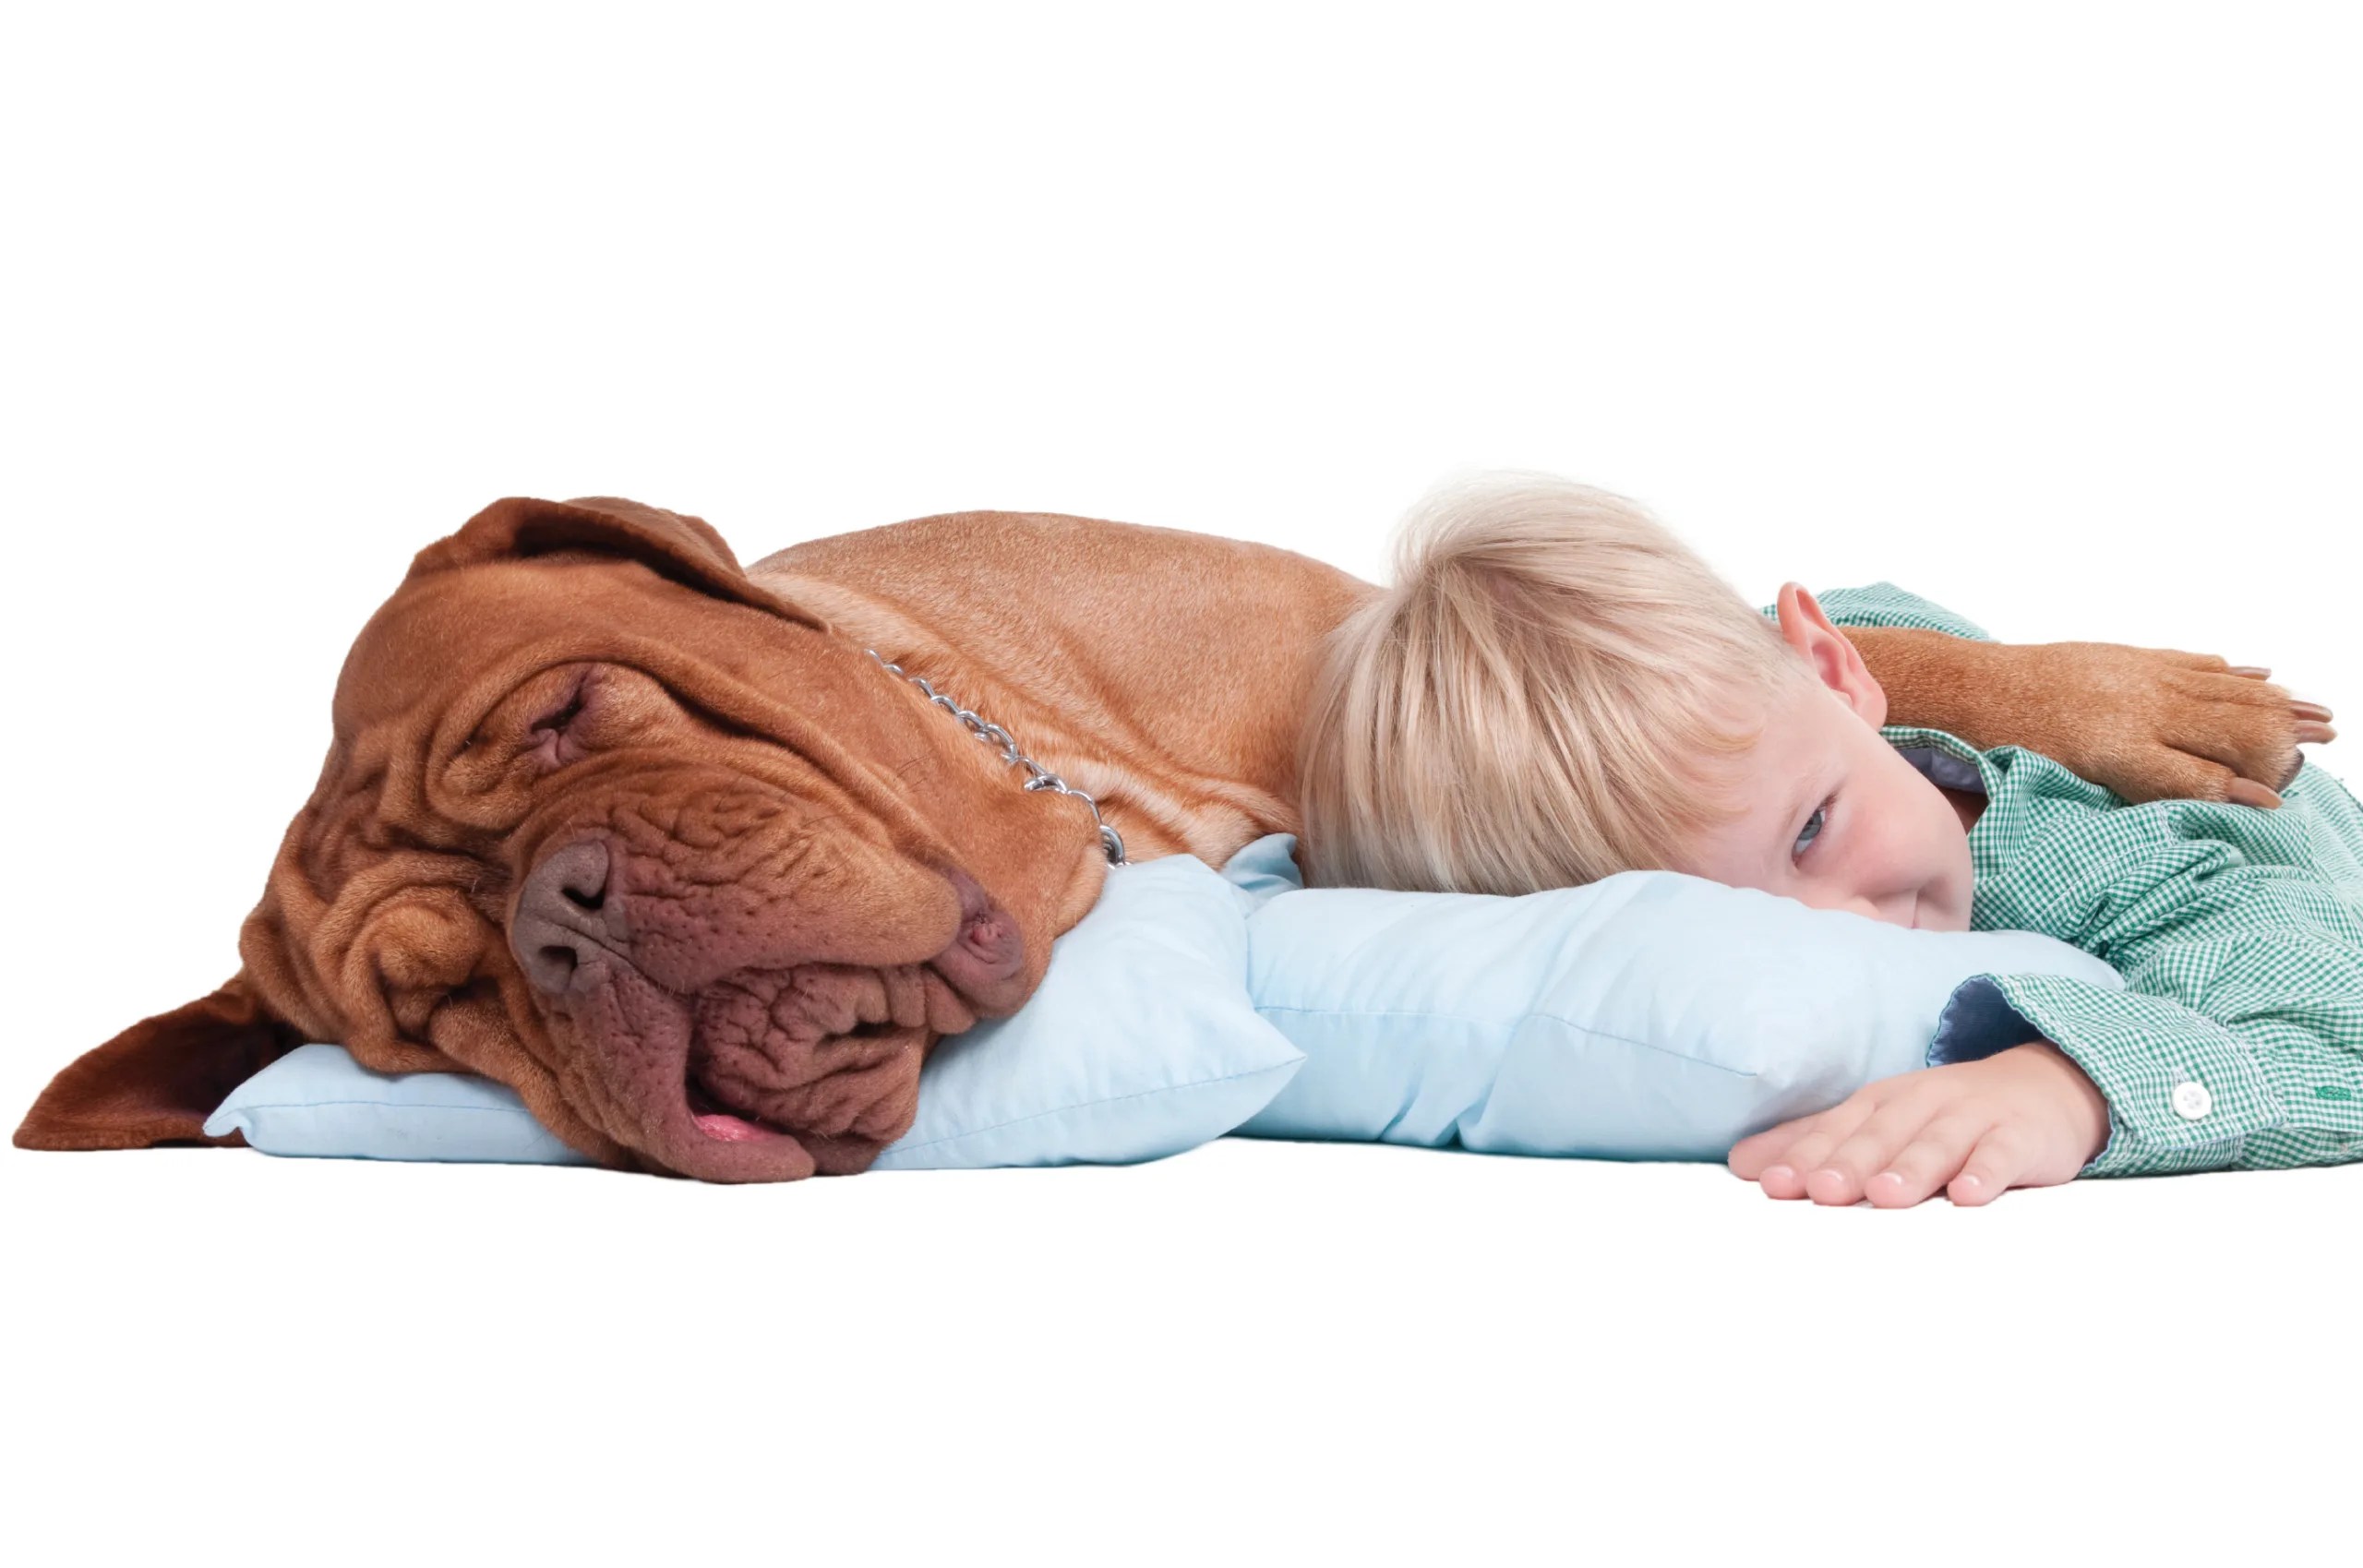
(2148,724)
(2239,1039)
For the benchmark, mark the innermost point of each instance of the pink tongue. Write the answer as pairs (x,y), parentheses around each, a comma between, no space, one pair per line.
(732,1129)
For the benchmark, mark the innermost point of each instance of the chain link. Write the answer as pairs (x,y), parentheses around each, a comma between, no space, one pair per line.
(994,735)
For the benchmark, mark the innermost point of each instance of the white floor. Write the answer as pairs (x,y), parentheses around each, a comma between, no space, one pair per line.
(2046,312)
(1251,1352)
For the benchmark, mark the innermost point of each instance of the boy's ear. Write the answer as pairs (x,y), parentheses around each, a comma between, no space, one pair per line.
(158,1081)
(1835,660)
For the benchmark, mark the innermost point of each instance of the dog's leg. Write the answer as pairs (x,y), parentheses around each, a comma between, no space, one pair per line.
(2150,723)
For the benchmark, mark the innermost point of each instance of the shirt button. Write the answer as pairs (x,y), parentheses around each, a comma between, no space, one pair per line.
(2192,1101)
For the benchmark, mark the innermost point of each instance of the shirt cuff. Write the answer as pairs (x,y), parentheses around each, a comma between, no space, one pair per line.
(2183,1091)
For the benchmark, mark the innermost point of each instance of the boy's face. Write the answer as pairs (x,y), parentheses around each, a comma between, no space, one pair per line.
(1890,845)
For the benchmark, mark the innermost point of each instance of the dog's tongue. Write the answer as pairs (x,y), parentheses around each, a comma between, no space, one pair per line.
(732,1129)
(716,1123)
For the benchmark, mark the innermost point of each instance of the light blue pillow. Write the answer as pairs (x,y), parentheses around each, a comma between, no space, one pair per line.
(1649,1015)
(318,1100)
(1140,1042)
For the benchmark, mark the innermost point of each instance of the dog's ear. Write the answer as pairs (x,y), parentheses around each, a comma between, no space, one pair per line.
(158,1081)
(683,548)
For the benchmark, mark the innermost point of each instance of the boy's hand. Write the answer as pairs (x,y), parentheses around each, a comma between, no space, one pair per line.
(2025,1117)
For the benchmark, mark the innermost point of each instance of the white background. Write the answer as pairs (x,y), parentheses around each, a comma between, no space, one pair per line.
(2048,313)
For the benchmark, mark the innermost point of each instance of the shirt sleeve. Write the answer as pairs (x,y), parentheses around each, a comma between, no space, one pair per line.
(1883,604)
(2237,1041)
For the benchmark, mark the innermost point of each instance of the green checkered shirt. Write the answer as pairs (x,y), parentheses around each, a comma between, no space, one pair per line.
(2238,1042)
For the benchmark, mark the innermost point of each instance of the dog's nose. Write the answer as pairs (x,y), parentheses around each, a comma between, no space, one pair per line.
(564,917)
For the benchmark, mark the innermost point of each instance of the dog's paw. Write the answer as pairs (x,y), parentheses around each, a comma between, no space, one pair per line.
(2157,724)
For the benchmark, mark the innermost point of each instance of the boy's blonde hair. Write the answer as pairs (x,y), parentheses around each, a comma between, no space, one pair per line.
(1528,706)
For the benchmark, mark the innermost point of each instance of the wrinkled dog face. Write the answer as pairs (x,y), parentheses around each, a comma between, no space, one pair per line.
(602,823)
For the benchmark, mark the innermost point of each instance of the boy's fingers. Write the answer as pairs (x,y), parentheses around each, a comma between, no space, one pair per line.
(1802,1153)
(1757,1151)
(1806,1154)
(1926,1163)
(1971,1188)
(1998,1159)
(1774,1146)
(1842,1175)
(1752,1153)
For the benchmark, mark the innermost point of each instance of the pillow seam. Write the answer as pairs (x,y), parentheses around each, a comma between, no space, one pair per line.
(384,1105)
(1587,1030)
(1084,1105)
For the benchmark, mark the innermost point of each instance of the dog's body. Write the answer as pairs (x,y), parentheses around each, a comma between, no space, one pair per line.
(1159,670)
(656,841)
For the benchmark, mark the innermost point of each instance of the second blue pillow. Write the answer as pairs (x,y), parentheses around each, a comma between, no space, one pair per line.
(1649,1015)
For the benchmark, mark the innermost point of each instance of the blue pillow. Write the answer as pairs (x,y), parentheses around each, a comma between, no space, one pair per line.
(1649,1015)
(1140,1042)
(318,1100)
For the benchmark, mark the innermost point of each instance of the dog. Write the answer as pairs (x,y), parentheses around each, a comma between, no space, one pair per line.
(703,860)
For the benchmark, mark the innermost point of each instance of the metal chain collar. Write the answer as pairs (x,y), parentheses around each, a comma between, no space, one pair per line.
(1043,778)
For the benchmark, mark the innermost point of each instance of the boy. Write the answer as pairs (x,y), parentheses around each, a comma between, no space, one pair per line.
(1556,689)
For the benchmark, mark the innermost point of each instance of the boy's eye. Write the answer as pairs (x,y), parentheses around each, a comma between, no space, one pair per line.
(1815,824)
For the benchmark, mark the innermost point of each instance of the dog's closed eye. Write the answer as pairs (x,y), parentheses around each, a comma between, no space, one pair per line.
(556,723)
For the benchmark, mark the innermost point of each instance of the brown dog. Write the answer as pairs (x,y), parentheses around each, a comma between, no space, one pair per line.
(656,841)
